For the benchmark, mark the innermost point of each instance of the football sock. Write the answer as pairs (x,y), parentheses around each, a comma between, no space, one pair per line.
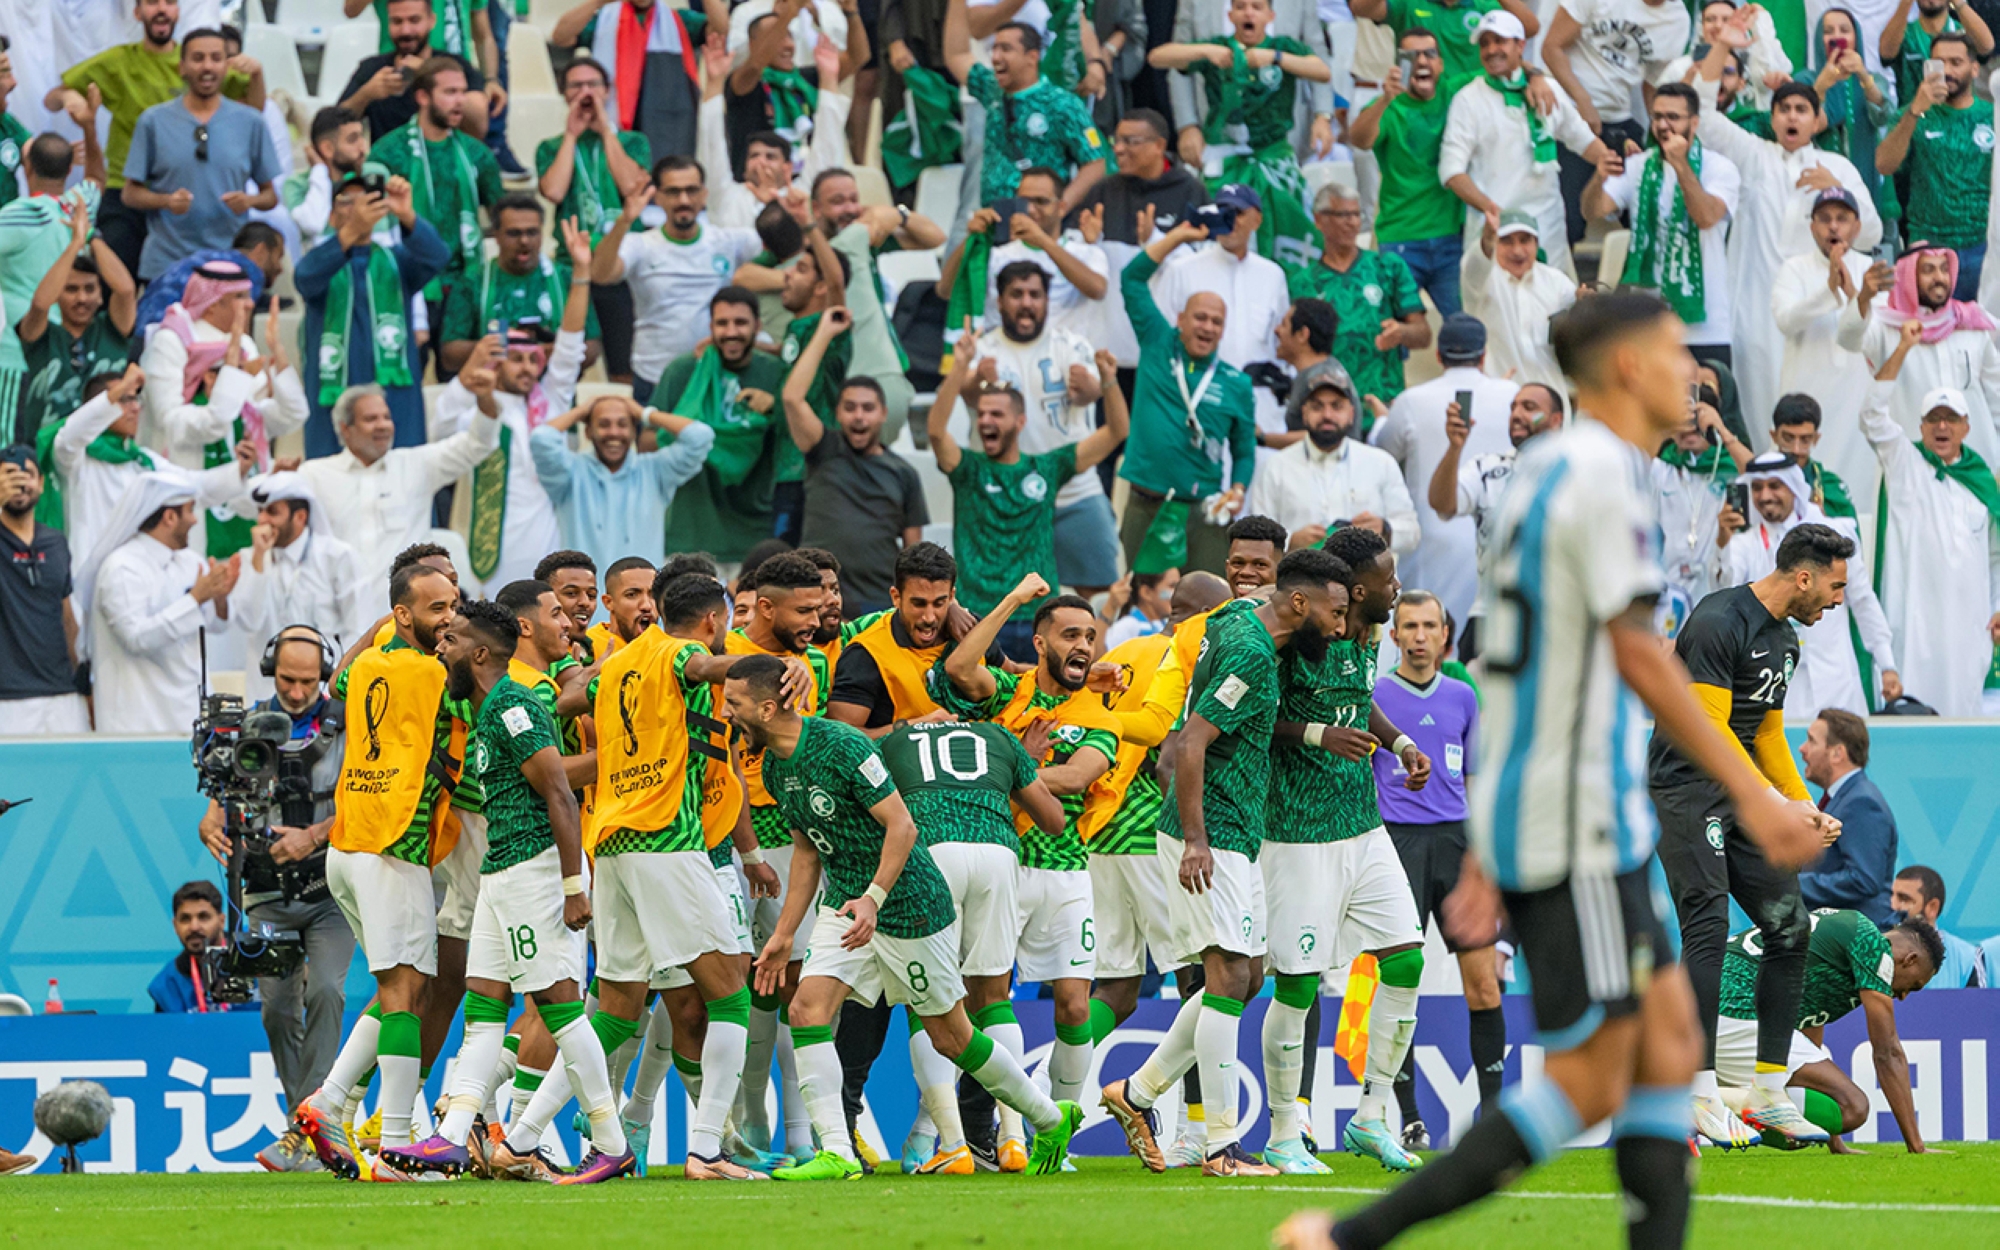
(1770,1076)
(656,1056)
(551,1096)
(1651,1133)
(1309,1052)
(990,1064)
(526,1082)
(937,1081)
(753,1100)
(1781,983)
(1532,1127)
(819,1087)
(1068,1066)
(1704,1085)
(1489,1052)
(1823,1111)
(1172,1059)
(352,1065)
(798,1124)
(1284,1047)
(583,1054)
(503,1076)
(400,1049)
(722,1055)
(690,1070)
(421,1126)
(1103,1021)
(478,1055)
(1392,1023)
(1215,1033)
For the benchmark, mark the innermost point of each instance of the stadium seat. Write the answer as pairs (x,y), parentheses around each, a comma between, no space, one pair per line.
(1611,262)
(545,13)
(313,21)
(278,53)
(531,119)
(1319,173)
(346,47)
(898,269)
(873,185)
(529,70)
(14,1005)
(591,392)
(937,193)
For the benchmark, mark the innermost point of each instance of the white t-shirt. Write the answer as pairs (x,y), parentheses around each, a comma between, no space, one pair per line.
(1067,308)
(1624,43)
(1721,179)
(671,285)
(1040,371)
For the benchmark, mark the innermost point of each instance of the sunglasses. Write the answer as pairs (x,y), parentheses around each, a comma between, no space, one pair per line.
(201,143)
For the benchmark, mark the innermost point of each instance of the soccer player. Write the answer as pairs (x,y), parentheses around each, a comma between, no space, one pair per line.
(1849,963)
(1256,544)
(1075,741)
(1214,822)
(1428,827)
(884,920)
(956,780)
(881,677)
(527,925)
(628,607)
(1561,831)
(380,853)
(834,631)
(1740,648)
(1332,882)
(573,576)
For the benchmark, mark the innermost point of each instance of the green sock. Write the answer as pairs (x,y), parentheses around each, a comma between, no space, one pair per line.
(559,1016)
(612,1031)
(1824,1112)
(1103,1021)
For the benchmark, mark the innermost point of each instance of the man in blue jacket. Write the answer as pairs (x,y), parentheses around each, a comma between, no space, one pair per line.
(1855,871)
(198,924)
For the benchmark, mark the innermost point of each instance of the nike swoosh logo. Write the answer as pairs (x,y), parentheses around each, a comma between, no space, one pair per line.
(1290,1045)
(1078,963)
(1758,655)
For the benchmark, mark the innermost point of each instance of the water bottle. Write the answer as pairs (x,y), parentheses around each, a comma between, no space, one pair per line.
(52,1005)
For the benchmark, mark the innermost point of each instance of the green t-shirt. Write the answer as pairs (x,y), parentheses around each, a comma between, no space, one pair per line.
(593,198)
(684,832)
(1376,288)
(392,152)
(1162,455)
(1005,516)
(824,394)
(414,846)
(1453,25)
(825,790)
(130,79)
(1234,687)
(493,294)
(1042,125)
(1413,203)
(1038,850)
(959,780)
(1909,63)
(1316,796)
(59,364)
(1951,172)
(1846,955)
(14,139)
(452,33)
(1270,96)
(513,725)
(727,514)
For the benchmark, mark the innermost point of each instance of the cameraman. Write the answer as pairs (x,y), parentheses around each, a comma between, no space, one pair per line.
(284,885)
(198,925)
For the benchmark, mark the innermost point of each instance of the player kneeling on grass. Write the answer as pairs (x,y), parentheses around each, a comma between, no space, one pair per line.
(885,920)
(531,902)
(1849,963)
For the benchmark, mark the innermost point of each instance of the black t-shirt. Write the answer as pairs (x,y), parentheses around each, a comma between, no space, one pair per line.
(745,115)
(396,111)
(1733,642)
(857,679)
(34,581)
(857,507)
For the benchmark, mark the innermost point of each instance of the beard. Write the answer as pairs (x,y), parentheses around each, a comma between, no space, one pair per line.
(426,636)
(1309,642)
(1326,438)
(458,680)
(1059,674)
(826,633)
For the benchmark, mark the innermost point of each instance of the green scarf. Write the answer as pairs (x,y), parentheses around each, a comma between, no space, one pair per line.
(388,335)
(1515,92)
(928,132)
(968,292)
(489,507)
(1667,256)
(1062,59)
(1165,543)
(1713,463)
(467,239)
(793,99)
(593,213)
(727,508)
(1228,92)
(1829,492)
(227,532)
(1968,471)
(710,398)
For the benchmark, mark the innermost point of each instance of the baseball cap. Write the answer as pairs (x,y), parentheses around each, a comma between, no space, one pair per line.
(1944,397)
(1462,339)
(1836,195)
(1239,197)
(1519,221)
(1502,23)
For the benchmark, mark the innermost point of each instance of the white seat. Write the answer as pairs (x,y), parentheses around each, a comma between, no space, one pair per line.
(937,193)
(14,1005)
(1611,261)
(278,53)
(529,70)
(346,47)
(899,269)
(1320,173)
(590,392)
(531,119)
(313,21)
(873,185)
(545,13)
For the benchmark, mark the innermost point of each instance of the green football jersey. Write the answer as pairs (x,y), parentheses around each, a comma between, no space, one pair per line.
(512,726)
(958,780)
(1846,955)
(1234,687)
(1316,796)
(825,789)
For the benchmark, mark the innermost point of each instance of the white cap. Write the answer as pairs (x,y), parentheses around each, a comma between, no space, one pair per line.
(1502,23)
(1944,397)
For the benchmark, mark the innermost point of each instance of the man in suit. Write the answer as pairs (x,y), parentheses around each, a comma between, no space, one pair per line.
(1854,872)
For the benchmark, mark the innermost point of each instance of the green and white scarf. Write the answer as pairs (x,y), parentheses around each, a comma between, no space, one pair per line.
(1227,90)
(928,132)
(794,99)
(489,506)
(464,235)
(555,295)
(1062,60)
(593,212)
(388,334)
(1514,91)
(1667,255)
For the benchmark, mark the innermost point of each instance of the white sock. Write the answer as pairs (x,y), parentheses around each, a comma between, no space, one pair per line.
(531,1121)
(1773,1082)
(819,1088)
(478,1056)
(1169,1061)
(1284,1067)
(1392,1023)
(503,1079)
(402,1076)
(351,1109)
(1068,1068)
(1008,1082)
(1704,1084)
(1215,1034)
(1007,1036)
(722,1053)
(656,1056)
(519,1095)
(356,1057)
(937,1090)
(421,1124)
(583,1055)
(753,1100)
(798,1122)
(619,1062)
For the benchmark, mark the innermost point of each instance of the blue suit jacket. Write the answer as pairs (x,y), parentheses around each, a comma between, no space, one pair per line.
(1856,870)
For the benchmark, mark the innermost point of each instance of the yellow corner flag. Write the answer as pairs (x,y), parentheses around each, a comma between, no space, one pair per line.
(1350,1038)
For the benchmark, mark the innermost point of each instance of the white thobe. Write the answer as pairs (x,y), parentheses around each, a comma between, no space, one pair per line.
(92,488)
(531,530)
(1446,562)
(145,644)
(1968,361)
(1689,505)
(183,428)
(381,508)
(1808,315)
(1488,138)
(1828,672)
(1517,312)
(1940,572)
(315,580)
(1068,309)
(1772,224)
(1302,486)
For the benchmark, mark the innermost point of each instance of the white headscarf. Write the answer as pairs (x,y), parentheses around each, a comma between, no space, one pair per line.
(167,485)
(286,487)
(1774,466)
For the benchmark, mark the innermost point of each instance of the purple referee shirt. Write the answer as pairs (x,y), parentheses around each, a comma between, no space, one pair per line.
(1443,720)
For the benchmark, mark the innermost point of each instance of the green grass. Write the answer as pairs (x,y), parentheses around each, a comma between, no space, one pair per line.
(1886,1198)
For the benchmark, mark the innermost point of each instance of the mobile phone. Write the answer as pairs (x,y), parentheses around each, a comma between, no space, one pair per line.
(375,184)
(1737,496)
(1834,47)
(1407,63)
(1002,231)
(1464,399)
(1933,68)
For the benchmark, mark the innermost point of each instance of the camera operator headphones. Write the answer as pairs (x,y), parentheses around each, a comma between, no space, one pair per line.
(268,665)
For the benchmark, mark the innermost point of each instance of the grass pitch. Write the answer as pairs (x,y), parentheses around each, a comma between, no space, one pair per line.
(1886,1198)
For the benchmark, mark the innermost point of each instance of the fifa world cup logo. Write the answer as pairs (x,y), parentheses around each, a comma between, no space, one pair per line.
(626,707)
(375,710)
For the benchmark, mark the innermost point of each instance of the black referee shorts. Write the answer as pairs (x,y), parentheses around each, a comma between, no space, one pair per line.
(1591,945)
(1432,856)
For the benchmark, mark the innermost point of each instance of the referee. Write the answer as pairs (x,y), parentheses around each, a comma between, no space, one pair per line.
(1740,650)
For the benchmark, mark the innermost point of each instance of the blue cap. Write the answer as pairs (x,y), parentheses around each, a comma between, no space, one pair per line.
(1239,197)
(1462,339)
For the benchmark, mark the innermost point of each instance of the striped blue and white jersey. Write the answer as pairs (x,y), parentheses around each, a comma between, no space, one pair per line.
(1562,786)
